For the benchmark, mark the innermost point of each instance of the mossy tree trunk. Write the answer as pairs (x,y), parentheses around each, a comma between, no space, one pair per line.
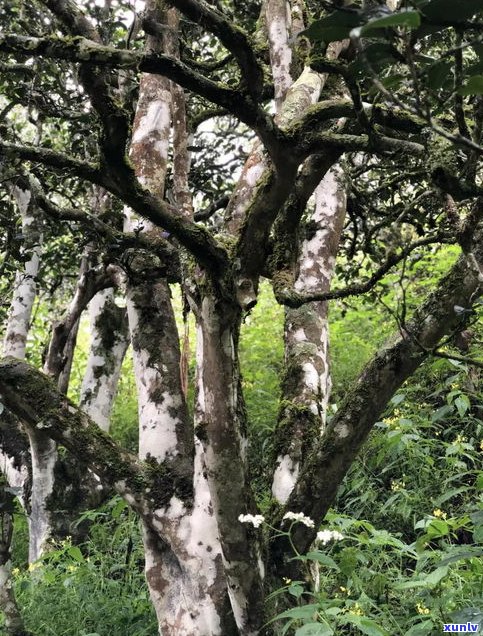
(190,484)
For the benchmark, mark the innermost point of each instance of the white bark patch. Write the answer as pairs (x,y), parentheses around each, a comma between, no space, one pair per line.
(253,174)
(198,532)
(304,92)
(253,169)
(15,477)
(194,538)
(311,377)
(284,478)
(238,605)
(25,286)
(278,22)
(341,430)
(156,119)
(43,463)
(158,436)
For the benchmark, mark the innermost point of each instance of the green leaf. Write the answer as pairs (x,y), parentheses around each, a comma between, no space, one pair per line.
(479,482)
(468,553)
(336,26)
(450,494)
(314,629)
(474,86)
(421,629)
(366,625)
(439,74)
(478,534)
(306,611)
(437,528)
(451,10)
(407,585)
(296,590)
(323,559)
(409,19)
(118,509)
(75,553)
(49,577)
(462,402)
(442,412)
(436,576)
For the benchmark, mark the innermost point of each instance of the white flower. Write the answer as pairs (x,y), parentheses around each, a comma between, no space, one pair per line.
(256,520)
(324,536)
(300,517)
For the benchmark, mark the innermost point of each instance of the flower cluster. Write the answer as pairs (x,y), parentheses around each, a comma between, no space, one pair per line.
(422,609)
(437,512)
(256,520)
(300,517)
(324,536)
(397,485)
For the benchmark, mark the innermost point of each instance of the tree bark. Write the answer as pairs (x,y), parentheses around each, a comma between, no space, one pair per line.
(363,404)
(306,381)
(109,342)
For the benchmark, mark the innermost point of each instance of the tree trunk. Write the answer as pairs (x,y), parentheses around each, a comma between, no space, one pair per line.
(109,342)
(306,381)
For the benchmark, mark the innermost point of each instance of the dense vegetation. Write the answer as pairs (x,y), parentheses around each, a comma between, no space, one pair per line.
(410,510)
(174,157)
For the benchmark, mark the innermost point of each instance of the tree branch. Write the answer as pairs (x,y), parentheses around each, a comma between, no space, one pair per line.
(232,37)
(453,356)
(33,398)
(90,53)
(54,159)
(366,400)
(292,298)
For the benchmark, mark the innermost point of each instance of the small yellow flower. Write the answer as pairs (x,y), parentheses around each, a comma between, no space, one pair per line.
(34,566)
(357,610)
(15,571)
(72,568)
(439,513)
(397,485)
(481,445)
(286,580)
(422,609)
(345,590)
(459,439)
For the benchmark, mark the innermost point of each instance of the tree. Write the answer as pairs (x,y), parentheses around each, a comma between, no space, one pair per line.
(363,125)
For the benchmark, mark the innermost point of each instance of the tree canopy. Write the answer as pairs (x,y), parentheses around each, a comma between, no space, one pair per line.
(325,147)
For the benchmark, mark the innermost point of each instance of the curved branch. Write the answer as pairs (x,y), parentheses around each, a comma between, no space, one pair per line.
(232,37)
(90,53)
(207,213)
(34,399)
(54,159)
(292,298)
(366,400)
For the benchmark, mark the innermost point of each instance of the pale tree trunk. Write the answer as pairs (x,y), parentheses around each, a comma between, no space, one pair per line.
(13,621)
(52,508)
(25,286)
(221,426)
(109,342)
(185,573)
(14,459)
(306,380)
(17,465)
